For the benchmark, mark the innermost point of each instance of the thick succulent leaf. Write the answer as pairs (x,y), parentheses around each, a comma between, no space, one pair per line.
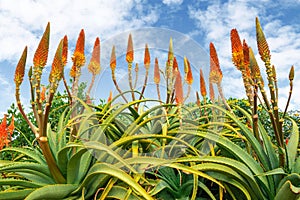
(78,166)
(15,194)
(293,144)
(21,166)
(56,191)
(31,153)
(296,167)
(19,182)
(103,168)
(293,178)
(288,191)
(233,182)
(118,192)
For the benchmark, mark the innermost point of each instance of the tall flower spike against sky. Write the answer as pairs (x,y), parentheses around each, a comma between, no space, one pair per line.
(23,23)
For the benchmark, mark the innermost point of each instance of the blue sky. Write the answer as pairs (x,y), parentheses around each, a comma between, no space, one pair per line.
(193,24)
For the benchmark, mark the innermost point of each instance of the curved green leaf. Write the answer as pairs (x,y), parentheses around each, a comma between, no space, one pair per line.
(15,194)
(56,191)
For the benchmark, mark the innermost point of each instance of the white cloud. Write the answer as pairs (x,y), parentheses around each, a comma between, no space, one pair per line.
(22,22)
(172,2)
(218,19)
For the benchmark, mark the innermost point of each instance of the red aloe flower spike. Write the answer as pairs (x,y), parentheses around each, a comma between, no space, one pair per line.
(156,72)
(20,70)
(262,44)
(175,66)
(78,57)
(130,53)
(215,75)
(202,84)
(237,49)
(94,65)
(41,54)
(65,51)
(178,89)
(147,57)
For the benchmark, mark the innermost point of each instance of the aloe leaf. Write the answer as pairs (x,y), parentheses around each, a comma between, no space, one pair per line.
(277,171)
(103,168)
(20,166)
(78,166)
(288,191)
(296,167)
(15,194)
(118,192)
(19,182)
(231,181)
(31,153)
(56,191)
(293,143)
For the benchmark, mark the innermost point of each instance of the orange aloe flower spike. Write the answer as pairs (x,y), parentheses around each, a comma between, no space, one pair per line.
(129,54)
(147,57)
(94,65)
(65,51)
(178,89)
(11,127)
(156,72)
(57,64)
(237,49)
(202,84)
(78,57)
(215,75)
(20,70)
(110,97)
(41,54)
(262,44)
(113,61)
(43,93)
(189,75)
(246,59)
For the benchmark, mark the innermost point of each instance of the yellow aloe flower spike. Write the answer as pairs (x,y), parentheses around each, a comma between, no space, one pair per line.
(20,70)
(94,65)
(215,75)
(65,50)
(262,44)
(57,65)
(156,72)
